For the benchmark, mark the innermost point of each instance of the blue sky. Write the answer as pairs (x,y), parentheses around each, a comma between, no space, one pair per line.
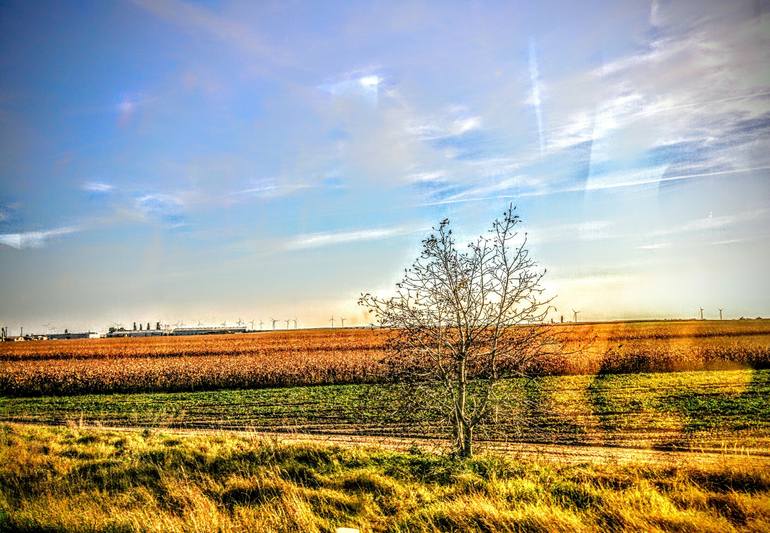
(209,161)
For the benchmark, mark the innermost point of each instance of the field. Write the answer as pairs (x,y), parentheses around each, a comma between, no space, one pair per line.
(711,410)
(87,480)
(324,357)
(652,426)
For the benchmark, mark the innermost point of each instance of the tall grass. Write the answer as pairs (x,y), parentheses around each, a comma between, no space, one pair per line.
(87,480)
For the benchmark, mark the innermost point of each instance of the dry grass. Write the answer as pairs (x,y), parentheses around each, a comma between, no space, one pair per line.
(78,480)
(314,357)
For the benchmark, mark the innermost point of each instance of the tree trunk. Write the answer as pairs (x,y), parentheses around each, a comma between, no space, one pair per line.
(466,451)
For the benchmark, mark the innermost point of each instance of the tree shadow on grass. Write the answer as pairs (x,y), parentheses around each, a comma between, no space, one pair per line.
(542,419)
(723,412)
(628,416)
(709,411)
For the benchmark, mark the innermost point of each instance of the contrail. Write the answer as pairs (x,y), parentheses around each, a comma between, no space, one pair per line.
(534,76)
(598,187)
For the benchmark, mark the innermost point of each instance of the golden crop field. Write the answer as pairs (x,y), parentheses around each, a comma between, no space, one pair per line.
(330,356)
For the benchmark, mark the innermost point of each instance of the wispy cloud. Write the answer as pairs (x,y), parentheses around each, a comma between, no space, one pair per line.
(455,123)
(97,186)
(426,177)
(712,222)
(153,207)
(34,239)
(655,246)
(589,230)
(365,84)
(726,242)
(270,189)
(535,99)
(317,240)
(649,176)
(431,131)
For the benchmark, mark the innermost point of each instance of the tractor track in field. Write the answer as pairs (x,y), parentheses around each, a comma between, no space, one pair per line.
(564,453)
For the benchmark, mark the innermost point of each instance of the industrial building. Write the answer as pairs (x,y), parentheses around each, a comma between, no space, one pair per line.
(47,336)
(141,331)
(136,333)
(138,330)
(69,335)
(208,330)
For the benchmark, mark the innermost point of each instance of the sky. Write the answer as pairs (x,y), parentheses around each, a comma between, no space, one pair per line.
(210,161)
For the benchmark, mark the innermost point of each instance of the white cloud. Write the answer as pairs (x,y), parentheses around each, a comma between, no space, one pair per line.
(317,240)
(731,241)
(712,222)
(356,84)
(34,239)
(649,176)
(425,177)
(535,99)
(97,186)
(490,186)
(270,189)
(655,246)
(369,81)
(442,127)
(464,125)
(694,83)
(589,230)
(159,206)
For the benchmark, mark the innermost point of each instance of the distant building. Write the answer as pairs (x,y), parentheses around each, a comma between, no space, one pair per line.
(208,330)
(138,331)
(69,335)
(135,333)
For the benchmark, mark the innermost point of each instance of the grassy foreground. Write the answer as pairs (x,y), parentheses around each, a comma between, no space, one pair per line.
(60,479)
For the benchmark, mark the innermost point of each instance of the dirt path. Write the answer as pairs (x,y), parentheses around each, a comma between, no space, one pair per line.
(535,451)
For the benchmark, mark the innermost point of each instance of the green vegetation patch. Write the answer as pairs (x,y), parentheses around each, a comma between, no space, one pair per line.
(690,410)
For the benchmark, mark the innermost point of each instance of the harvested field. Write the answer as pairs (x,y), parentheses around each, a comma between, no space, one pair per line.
(319,357)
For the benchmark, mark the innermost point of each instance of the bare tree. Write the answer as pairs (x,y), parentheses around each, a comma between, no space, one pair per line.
(463,320)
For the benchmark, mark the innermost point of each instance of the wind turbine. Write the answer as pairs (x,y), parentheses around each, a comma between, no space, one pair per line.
(287,322)
(332,319)
(260,325)
(574,315)
(295,322)
(274,321)
(342,319)
(720,313)
(701,313)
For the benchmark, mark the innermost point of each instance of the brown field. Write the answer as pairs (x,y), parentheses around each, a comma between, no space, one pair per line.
(324,356)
